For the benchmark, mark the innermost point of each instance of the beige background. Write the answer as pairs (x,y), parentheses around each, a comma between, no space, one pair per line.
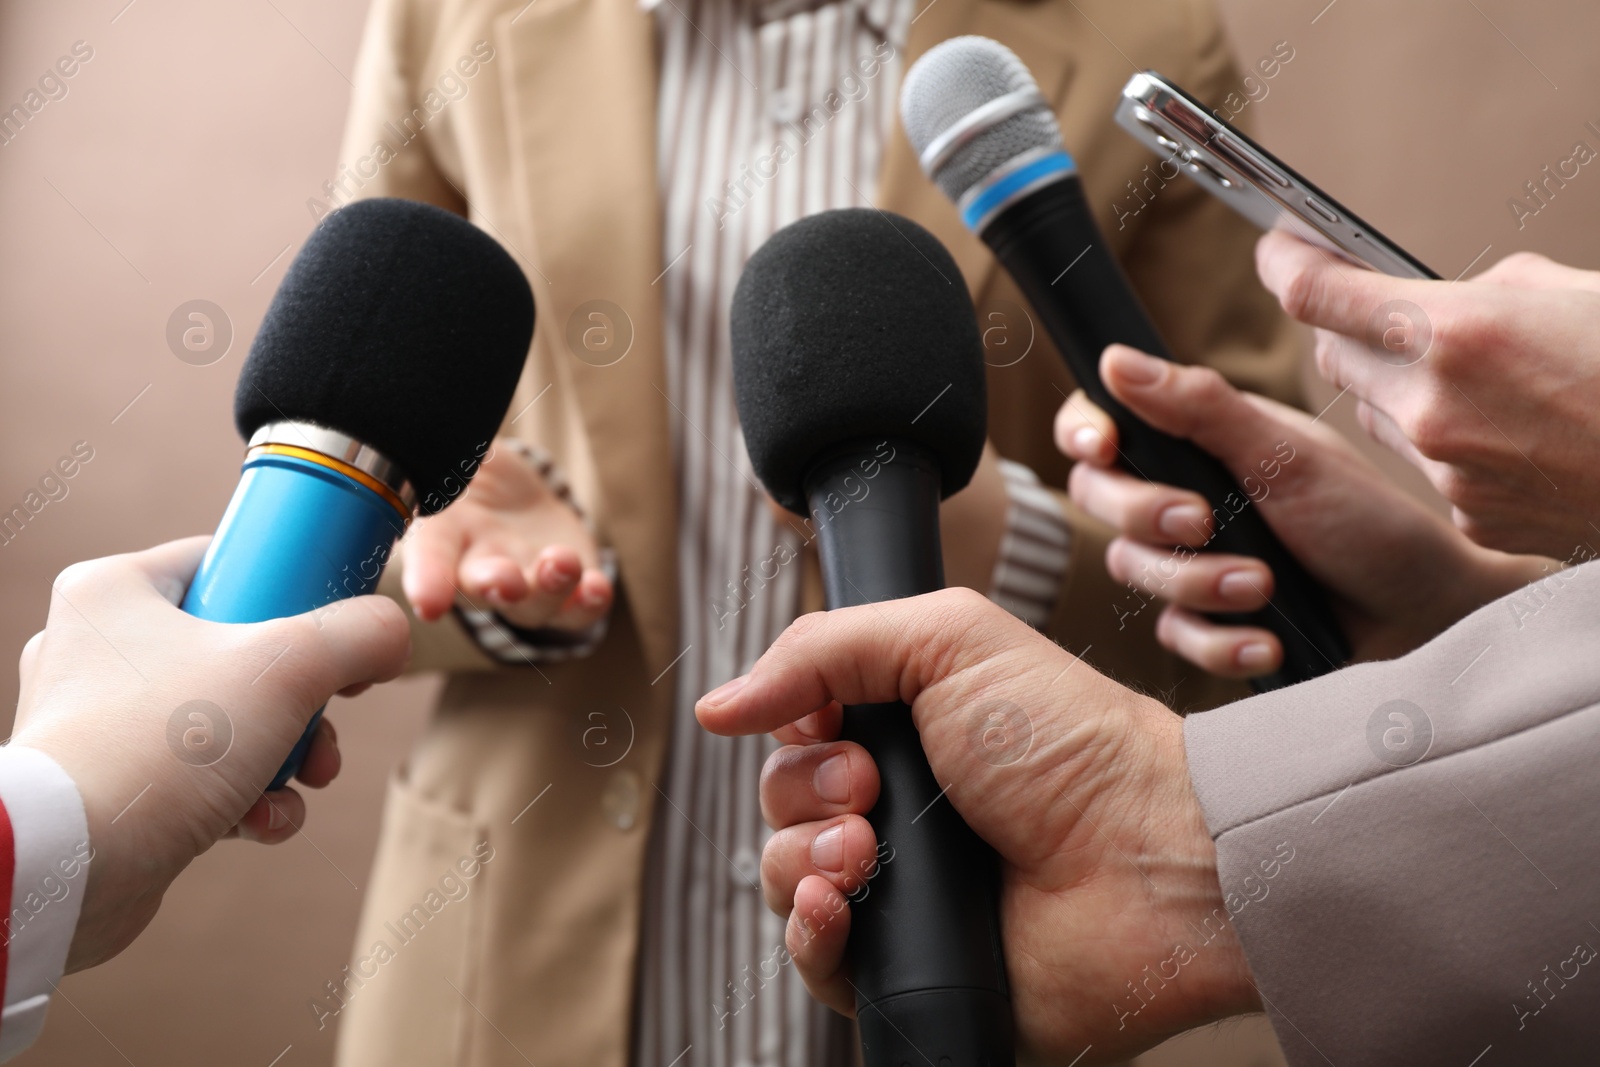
(178,167)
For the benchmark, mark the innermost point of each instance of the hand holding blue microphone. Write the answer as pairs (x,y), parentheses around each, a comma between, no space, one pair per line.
(373,390)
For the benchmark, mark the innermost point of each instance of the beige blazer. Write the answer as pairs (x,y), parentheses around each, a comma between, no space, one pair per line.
(537,120)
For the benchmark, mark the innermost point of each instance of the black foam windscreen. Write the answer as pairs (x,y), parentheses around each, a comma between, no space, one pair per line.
(855,325)
(401,325)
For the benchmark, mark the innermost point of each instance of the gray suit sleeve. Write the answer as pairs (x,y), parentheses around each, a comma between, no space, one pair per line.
(1407,848)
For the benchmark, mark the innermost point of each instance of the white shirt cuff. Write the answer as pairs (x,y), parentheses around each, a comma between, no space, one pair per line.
(50,837)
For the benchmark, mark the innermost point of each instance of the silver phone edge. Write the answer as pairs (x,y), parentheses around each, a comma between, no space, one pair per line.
(1170,126)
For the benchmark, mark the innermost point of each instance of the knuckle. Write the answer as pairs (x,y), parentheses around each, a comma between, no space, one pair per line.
(1121,506)
(776,780)
(30,651)
(1190,587)
(1464,331)
(804,629)
(1200,392)
(1456,486)
(80,579)
(1206,382)
(1080,485)
(1325,354)
(774,861)
(960,622)
(1431,430)
(1520,265)
(961,601)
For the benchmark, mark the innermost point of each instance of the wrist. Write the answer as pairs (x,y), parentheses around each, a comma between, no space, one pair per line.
(1214,976)
(50,861)
(126,873)
(1496,574)
(1453,579)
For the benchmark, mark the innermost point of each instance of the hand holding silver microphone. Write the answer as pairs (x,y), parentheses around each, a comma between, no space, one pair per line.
(989,139)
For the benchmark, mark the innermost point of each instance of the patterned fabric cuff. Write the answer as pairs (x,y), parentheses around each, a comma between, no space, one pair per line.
(1032,564)
(511,644)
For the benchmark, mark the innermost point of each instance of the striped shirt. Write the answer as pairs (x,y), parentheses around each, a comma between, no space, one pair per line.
(767,112)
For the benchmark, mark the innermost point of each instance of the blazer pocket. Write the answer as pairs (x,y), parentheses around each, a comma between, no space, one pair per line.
(407,988)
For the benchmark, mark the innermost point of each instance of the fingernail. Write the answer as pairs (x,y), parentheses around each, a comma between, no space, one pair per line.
(1139,368)
(1238,585)
(276,819)
(1086,441)
(1183,520)
(1255,656)
(726,691)
(827,849)
(831,779)
(553,576)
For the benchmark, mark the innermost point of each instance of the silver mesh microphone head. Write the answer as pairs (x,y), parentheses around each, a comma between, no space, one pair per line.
(969,106)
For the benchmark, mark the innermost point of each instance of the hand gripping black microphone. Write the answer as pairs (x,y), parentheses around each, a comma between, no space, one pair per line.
(858,371)
(988,138)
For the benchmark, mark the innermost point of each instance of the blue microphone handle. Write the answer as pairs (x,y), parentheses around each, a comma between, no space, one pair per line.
(297,536)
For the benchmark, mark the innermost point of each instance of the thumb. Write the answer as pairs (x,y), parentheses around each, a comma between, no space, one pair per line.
(1195,403)
(873,654)
(361,640)
(1322,290)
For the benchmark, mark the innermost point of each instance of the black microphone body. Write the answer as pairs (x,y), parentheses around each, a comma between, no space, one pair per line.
(925,936)
(1052,247)
(858,370)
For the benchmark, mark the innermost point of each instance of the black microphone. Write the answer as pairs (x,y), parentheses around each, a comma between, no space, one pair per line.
(378,378)
(858,371)
(988,138)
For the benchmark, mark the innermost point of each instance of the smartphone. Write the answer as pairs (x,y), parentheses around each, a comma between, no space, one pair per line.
(1251,180)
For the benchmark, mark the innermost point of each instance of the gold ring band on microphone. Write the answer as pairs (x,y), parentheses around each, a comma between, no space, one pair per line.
(354,473)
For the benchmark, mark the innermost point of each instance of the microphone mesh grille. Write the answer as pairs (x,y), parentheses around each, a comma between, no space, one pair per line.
(955,78)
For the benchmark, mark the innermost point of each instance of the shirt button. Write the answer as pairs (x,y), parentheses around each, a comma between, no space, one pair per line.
(620,800)
(747,866)
(783,106)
